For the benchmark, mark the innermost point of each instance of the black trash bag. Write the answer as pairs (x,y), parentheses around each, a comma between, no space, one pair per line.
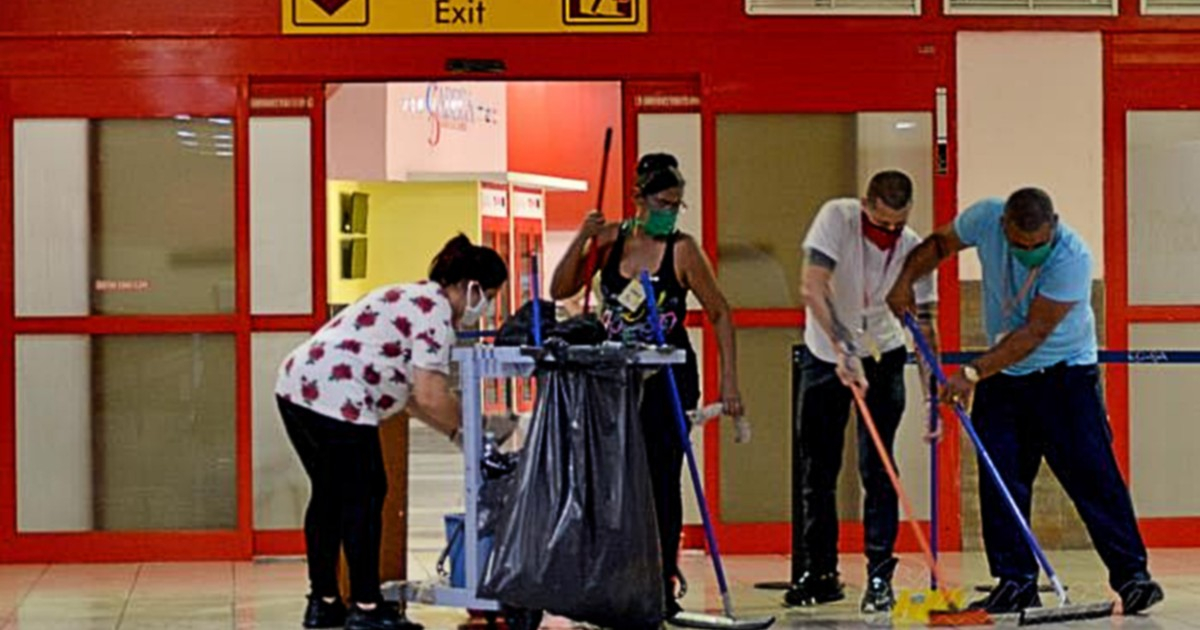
(581,330)
(518,328)
(579,538)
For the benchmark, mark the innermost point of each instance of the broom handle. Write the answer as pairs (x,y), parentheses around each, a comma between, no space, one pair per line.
(681,424)
(933,476)
(909,513)
(926,352)
(593,251)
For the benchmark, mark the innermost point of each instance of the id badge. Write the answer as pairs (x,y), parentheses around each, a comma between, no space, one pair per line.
(633,297)
(873,348)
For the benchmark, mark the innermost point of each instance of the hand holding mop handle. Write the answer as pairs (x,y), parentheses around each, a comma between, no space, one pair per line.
(927,354)
(741,426)
(593,251)
(681,424)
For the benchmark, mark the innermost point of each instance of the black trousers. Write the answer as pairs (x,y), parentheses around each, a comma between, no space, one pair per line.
(824,412)
(344,463)
(1057,414)
(664,453)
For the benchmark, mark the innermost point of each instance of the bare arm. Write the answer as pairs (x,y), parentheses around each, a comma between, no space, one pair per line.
(571,273)
(817,289)
(433,401)
(937,247)
(1044,316)
(697,275)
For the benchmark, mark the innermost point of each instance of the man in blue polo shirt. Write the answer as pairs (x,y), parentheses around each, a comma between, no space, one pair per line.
(1036,390)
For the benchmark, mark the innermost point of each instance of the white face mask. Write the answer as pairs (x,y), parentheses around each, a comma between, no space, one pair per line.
(474,312)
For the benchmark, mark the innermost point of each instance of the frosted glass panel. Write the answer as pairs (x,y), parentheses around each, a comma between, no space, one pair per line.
(280,216)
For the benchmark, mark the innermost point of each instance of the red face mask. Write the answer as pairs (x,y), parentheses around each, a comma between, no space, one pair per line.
(883,238)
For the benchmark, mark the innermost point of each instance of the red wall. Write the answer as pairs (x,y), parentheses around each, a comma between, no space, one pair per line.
(558,129)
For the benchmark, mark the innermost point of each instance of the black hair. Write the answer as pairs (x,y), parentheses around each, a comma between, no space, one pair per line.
(657,172)
(460,260)
(893,188)
(1029,209)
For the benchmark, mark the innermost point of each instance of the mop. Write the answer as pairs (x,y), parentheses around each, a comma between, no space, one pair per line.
(938,605)
(688,619)
(1065,611)
(593,251)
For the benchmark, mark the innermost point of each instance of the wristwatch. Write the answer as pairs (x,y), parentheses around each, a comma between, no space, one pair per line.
(971,373)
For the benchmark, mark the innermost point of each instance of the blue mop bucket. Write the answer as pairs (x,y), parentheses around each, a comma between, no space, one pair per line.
(456,541)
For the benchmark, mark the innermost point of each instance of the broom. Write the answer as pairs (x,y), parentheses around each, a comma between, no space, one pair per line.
(686,619)
(1065,611)
(593,251)
(918,606)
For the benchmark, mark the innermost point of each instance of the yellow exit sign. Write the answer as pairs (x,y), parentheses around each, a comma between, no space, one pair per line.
(463,17)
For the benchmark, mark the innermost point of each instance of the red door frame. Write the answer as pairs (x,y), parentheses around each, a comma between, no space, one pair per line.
(293,100)
(125,98)
(1141,72)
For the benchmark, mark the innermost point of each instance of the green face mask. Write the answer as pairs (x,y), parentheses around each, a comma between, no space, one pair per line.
(1031,258)
(660,222)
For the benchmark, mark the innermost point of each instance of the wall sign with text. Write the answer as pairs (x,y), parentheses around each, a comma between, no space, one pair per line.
(464,17)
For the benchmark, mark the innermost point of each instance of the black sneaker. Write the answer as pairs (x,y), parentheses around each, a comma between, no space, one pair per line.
(1009,596)
(811,590)
(382,617)
(879,596)
(1138,595)
(323,614)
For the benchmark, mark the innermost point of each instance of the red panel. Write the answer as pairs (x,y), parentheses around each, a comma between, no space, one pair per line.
(123,97)
(1140,313)
(127,325)
(776,538)
(128,547)
(1170,532)
(143,16)
(1116,265)
(8,385)
(279,543)
(769,318)
(945,209)
(558,129)
(692,17)
(242,272)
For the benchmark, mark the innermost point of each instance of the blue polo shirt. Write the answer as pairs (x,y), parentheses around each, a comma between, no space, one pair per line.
(1066,276)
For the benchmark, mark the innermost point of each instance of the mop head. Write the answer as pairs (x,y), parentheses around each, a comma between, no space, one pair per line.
(936,608)
(703,620)
(1066,612)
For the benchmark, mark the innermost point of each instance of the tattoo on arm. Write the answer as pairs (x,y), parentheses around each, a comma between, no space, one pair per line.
(817,258)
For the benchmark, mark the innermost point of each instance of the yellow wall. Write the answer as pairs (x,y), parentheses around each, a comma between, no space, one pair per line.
(407,224)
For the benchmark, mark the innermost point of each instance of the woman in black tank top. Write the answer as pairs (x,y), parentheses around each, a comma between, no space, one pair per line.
(621,251)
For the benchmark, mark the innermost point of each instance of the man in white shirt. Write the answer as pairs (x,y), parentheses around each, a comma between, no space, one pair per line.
(854,251)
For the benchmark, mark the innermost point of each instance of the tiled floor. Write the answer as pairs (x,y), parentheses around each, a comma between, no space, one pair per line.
(269,594)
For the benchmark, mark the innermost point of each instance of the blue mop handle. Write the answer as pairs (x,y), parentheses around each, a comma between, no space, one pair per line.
(927,353)
(933,477)
(681,424)
(535,291)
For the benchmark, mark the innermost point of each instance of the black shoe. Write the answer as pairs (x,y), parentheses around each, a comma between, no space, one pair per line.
(382,617)
(879,596)
(673,608)
(496,464)
(323,614)
(1009,596)
(811,590)
(1138,595)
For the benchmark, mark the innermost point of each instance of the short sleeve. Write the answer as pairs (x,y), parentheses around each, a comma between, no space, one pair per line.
(973,225)
(1067,281)
(432,333)
(826,233)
